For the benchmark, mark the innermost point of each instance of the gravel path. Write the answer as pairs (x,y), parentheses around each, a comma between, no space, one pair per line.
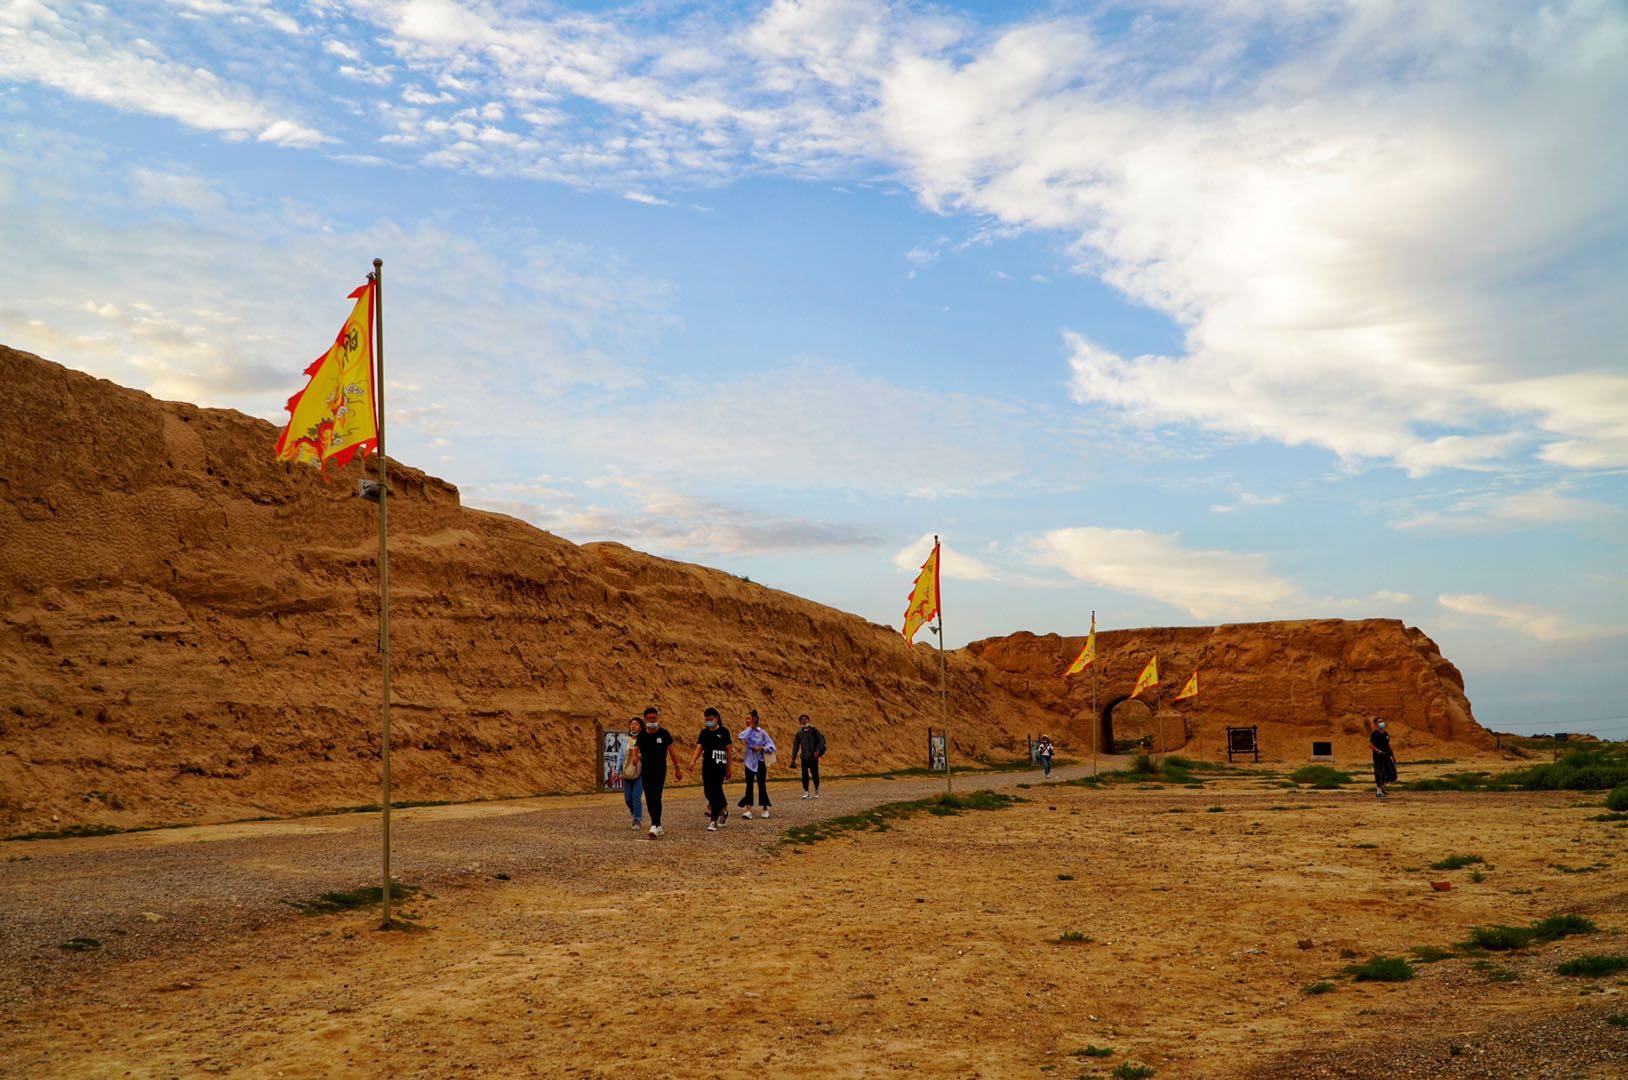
(141,894)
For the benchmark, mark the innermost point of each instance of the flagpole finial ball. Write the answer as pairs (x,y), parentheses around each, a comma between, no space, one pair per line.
(377,263)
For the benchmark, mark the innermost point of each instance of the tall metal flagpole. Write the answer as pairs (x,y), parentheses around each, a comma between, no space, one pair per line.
(1096,721)
(943,679)
(384,569)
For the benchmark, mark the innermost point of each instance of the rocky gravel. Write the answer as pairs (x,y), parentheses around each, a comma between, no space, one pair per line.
(141,894)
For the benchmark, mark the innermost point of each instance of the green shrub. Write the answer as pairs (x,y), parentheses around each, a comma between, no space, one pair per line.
(1143,765)
(1618,798)
(1556,927)
(1093,1051)
(1494,972)
(1320,776)
(1430,954)
(1456,862)
(1065,877)
(1322,987)
(1127,1071)
(1590,769)
(1072,937)
(1594,965)
(1500,938)
(81,944)
(1381,969)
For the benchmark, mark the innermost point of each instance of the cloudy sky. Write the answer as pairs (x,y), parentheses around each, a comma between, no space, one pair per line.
(1183,311)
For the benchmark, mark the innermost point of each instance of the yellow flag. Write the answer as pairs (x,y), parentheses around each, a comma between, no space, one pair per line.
(923,598)
(333,419)
(1148,678)
(1088,655)
(1190,690)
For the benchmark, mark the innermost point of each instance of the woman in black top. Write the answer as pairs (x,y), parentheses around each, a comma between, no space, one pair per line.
(712,751)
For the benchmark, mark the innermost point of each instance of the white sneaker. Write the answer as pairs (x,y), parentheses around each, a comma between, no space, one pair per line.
(816,793)
(712,826)
(654,832)
(723,820)
(637,824)
(806,795)
(747,815)
(765,812)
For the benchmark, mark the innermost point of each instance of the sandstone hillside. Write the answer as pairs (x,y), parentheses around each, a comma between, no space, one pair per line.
(187,634)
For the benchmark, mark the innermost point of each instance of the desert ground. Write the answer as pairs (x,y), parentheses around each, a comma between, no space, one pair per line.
(1177,928)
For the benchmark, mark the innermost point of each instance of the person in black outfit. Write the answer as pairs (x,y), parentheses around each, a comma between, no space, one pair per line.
(809,745)
(1379,741)
(655,750)
(712,751)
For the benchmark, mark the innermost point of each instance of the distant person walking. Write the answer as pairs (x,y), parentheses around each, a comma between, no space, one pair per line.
(712,751)
(655,751)
(1045,752)
(756,746)
(627,767)
(809,745)
(1379,741)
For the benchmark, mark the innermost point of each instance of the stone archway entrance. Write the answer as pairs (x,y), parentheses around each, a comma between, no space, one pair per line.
(1125,725)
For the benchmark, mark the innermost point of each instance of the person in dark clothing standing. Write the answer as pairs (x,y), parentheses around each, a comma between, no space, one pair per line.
(655,750)
(712,751)
(1379,741)
(808,745)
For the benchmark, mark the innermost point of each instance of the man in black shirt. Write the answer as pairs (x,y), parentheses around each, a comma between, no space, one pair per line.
(655,749)
(712,751)
(809,745)
(1379,741)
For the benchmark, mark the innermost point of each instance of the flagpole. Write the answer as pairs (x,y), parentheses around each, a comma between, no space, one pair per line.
(1096,721)
(943,678)
(384,572)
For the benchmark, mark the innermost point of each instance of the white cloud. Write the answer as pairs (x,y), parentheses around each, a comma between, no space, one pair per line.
(810,425)
(1210,585)
(645,198)
(250,290)
(650,516)
(71,51)
(956,565)
(1248,500)
(1526,619)
(1533,507)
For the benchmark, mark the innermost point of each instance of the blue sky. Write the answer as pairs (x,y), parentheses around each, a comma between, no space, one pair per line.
(1185,312)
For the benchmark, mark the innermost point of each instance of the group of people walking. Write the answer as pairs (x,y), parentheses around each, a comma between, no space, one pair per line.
(651,750)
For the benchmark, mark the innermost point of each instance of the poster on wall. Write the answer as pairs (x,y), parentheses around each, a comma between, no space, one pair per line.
(610,752)
(935,753)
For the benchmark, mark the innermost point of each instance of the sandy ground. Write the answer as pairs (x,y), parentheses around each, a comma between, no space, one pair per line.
(931,948)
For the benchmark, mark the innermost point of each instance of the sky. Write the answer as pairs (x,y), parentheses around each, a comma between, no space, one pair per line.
(1185,312)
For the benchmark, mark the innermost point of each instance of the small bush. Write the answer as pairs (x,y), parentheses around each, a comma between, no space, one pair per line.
(1618,1020)
(1595,965)
(1456,862)
(1320,776)
(1322,987)
(81,944)
(1143,765)
(1430,954)
(1065,877)
(1127,1071)
(1093,1051)
(1215,810)
(1381,969)
(1618,798)
(1072,937)
(1500,938)
(1556,927)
